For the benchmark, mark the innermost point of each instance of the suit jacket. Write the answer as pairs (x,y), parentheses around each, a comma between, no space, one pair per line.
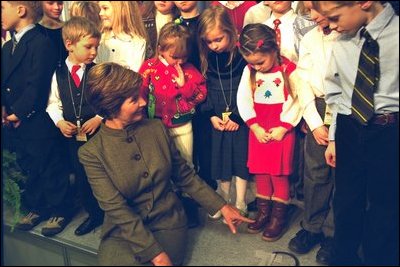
(25,83)
(131,172)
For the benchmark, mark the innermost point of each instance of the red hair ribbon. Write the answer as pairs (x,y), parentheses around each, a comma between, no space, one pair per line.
(260,43)
(238,44)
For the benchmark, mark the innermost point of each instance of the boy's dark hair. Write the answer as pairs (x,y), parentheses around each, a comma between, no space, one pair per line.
(34,8)
(109,85)
(77,28)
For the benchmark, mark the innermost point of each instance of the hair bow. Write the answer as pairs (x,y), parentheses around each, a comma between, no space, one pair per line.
(260,43)
(238,44)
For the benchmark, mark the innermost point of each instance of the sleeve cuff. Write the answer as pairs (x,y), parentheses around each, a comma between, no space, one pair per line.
(251,121)
(148,254)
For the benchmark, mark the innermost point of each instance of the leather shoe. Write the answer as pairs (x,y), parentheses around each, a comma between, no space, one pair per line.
(88,225)
(304,241)
(324,254)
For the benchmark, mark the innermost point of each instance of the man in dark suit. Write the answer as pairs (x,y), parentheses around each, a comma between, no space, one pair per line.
(28,61)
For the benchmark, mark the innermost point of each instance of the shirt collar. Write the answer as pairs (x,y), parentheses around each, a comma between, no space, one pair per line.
(378,24)
(285,17)
(163,61)
(70,64)
(18,35)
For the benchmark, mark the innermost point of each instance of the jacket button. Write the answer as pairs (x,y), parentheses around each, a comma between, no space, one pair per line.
(145,174)
(137,157)
(129,139)
(8,90)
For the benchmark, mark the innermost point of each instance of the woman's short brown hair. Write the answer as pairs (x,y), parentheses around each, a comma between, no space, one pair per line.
(109,85)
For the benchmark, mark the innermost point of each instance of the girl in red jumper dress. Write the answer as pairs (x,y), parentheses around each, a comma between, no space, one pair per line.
(269,107)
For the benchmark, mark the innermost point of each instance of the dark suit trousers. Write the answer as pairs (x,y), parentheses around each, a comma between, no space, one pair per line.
(366,200)
(89,202)
(47,189)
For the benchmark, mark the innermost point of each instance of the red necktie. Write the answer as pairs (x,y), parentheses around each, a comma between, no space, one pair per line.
(277,22)
(75,76)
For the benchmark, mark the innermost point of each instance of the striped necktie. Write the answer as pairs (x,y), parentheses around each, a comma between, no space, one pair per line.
(362,100)
(14,43)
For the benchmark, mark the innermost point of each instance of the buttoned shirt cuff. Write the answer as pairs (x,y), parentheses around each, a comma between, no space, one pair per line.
(312,118)
(251,121)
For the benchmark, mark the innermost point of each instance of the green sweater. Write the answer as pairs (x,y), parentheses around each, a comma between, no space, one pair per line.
(131,172)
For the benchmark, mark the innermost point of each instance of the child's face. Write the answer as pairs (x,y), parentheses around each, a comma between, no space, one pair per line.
(280,7)
(315,15)
(165,7)
(53,9)
(83,51)
(106,13)
(217,40)
(344,19)
(171,58)
(9,16)
(186,6)
(262,62)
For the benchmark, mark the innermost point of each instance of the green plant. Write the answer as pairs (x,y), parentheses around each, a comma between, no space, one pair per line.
(12,179)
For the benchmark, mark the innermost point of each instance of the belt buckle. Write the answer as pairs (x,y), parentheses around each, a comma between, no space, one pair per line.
(386,117)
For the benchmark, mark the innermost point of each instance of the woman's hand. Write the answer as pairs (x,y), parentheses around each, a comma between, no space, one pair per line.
(233,218)
(161,259)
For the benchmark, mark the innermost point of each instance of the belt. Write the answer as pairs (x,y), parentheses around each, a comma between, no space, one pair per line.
(386,118)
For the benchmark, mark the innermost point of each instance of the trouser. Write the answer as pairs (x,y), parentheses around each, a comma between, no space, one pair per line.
(366,200)
(88,201)
(318,184)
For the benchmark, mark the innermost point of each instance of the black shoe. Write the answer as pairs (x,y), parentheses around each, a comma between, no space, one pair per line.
(304,241)
(88,225)
(324,254)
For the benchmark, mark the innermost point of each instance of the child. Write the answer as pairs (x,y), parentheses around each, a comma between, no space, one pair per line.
(281,20)
(266,103)
(155,15)
(87,9)
(51,26)
(223,66)
(364,137)
(28,61)
(69,111)
(124,37)
(174,87)
(317,224)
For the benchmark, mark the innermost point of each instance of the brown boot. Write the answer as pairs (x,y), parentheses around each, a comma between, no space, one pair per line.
(277,225)
(263,214)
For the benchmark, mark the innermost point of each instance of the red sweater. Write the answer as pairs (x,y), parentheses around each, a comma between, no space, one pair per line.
(171,100)
(237,14)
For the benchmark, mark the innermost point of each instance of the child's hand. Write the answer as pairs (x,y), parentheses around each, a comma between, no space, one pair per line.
(231,126)
(180,79)
(67,128)
(90,126)
(261,135)
(217,123)
(321,135)
(277,133)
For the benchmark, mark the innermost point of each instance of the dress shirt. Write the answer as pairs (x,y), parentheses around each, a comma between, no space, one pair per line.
(342,70)
(287,34)
(18,35)
(54,106)
(315,51)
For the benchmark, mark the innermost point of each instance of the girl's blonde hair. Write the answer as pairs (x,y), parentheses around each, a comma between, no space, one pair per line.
(87,9)
(176,36)
(212,18)
(127,20)
(259,38)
